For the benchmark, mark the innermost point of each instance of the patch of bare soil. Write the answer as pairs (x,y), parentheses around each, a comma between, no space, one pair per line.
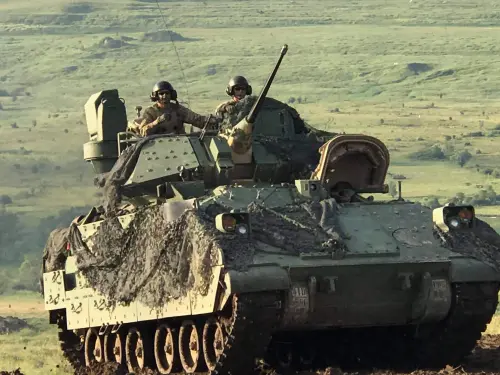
(103,369)
(22,307)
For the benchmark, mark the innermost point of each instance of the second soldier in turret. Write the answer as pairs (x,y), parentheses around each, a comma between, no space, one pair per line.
(238,87)
(167,116)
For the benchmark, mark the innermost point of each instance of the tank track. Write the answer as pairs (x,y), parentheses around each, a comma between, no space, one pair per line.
(249,327)
(443,343)
(70,343)
(255,317)
(449,341)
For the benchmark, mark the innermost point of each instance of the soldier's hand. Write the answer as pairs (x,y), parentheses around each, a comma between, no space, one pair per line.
(229,108)
(146,130)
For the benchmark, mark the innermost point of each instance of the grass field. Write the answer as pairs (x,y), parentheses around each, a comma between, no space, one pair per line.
(413,73)
(34,349)
(409,73)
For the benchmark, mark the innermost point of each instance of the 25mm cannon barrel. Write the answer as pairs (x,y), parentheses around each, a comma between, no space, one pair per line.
(252,115)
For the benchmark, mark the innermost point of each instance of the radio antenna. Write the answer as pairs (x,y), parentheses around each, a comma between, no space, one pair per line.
(175,49)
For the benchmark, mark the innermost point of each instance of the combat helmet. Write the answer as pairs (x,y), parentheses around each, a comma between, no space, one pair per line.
(163,86)
(238,81)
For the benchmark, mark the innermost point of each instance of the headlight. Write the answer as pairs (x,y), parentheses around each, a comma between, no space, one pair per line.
(242,229)
(454,223)
(454,217)
(238,222)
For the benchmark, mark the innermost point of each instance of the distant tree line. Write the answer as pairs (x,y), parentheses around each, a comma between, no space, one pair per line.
(21,246)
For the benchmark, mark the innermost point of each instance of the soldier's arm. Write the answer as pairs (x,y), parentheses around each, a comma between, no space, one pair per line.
(190,117)
(139,122)
(148,118)
(225,107)
(149,121)
(221,108)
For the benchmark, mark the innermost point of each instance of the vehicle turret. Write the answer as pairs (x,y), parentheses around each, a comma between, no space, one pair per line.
(168,166)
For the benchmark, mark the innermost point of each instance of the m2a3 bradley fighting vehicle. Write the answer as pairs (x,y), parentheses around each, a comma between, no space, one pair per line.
(213,251)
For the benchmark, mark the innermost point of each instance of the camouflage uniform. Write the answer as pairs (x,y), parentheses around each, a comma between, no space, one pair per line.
(175,117)
(170,116)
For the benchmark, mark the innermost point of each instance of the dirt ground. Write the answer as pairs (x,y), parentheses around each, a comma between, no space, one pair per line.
(484,360)
(22,307)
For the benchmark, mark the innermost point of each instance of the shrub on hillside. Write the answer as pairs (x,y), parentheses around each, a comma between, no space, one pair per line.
(484,197)
(462,157)
(443,151)
(435,152)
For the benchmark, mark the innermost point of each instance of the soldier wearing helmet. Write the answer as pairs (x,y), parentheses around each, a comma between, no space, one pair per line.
(166,115)
(238,87)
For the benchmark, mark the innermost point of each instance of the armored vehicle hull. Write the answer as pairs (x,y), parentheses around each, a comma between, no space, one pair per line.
(224,252)
(393,276)
(437,301)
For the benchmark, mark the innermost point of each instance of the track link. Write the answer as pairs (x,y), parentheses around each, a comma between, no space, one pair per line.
(449,341)
(70,343)
(255,317)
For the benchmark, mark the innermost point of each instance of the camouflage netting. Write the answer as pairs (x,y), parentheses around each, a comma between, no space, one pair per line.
(306,227)
(54,253)
(149,260)
(482,243)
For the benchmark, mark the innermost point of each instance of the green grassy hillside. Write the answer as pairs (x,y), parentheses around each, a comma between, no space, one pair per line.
(411,73)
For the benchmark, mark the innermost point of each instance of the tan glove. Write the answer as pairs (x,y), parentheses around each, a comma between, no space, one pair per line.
(145,130)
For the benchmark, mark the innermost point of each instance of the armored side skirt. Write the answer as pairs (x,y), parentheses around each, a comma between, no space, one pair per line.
(320,295)
(85,307)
